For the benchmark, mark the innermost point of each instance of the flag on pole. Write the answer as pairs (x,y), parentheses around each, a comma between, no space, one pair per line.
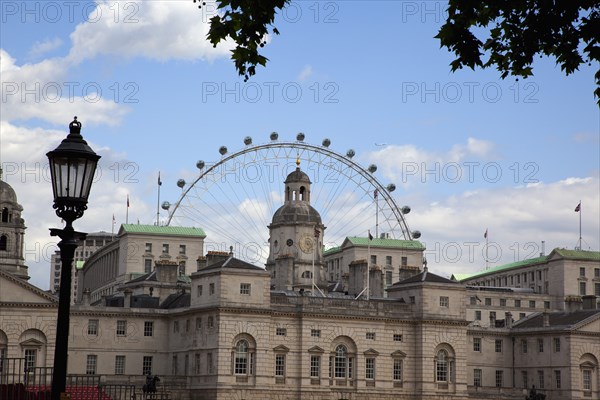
(127,201)
(370,236)
(578,208)
(113,218)
(485,234)
(159,182)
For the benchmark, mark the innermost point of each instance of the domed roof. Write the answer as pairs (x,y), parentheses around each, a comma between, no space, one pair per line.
(7,193)
(297,176)
(296,212)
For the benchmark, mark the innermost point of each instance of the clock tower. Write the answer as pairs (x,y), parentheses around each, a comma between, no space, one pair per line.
(296,238)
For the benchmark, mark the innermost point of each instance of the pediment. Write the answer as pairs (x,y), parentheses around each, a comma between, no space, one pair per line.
(31,343)
(371,352)
(398,354)
(16,290)
(316,349)
(281,349)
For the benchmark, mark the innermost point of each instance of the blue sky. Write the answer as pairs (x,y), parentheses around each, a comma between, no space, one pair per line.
(153,96)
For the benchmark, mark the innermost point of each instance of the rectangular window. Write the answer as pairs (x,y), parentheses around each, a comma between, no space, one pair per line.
(30,359)
(121,328)
(175,326)
(546,305)
(245,288)
(498,345)
(444,301)
(388,277)
(147,365)
(531,303)
(477,315)
(502,302)
(596,272)
(315,366)
(492,316)
(197,364)
(411,299)
(473,300)
(148,247)
(524,379)
(587,379)
(597,289)
(557,379)
(198,323)
(524,346)
(540,345)
(540,379)
(517,303)
(476,344)
(280,365)
(281,331)
(90,365)
(488,301)
(404,261)
(477,377)
(369,368)
(499,378)
(187,325)
(92,327)
(211,289)
(182,249)
(181,269)
(209,363)
(397,372)
(119,365)
(165,248)
(397,337)
(539,275)
(373,260)
(315,332)
(147,265)
(582,288)
(556,345)
(199,291)
(370,336)
(522,315)
(582,272)
(211,322)
(148,328)
(388,260)
(174,366)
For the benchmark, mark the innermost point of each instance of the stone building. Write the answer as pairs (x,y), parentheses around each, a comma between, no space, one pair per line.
(231,330)
(12,232)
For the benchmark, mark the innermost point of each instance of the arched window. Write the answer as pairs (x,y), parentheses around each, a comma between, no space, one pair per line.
(241,358)
(307,274)
(588,365)
(5,214)
(341,362)
(3,242)
(302,192)
(441,366)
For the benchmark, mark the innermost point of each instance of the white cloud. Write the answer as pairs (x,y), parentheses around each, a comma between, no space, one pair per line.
(40,48)
(158,30)
(306,73)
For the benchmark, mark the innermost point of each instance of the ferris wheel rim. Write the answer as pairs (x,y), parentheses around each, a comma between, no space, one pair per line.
(382,190)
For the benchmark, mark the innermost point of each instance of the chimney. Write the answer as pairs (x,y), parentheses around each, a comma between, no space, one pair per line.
(573,303)
(508,320)
(86,297)
(545,319)
(127,300)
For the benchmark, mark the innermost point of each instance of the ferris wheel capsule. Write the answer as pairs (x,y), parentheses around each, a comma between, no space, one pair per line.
(166,205)
(300,137)
(274,135)
(350,153)
(372,168)
(326,142)
(181,183)
(247,140)
(223,150)
(200,164)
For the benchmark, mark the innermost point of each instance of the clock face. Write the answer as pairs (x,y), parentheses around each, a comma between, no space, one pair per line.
(289,242)
(306,243)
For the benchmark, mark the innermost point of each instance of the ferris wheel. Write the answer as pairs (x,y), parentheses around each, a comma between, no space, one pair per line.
(234,198)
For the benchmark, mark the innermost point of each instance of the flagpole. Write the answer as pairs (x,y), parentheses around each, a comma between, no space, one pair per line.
(127,211)
(158,202)
(580,240)
(368,265)
(376,195)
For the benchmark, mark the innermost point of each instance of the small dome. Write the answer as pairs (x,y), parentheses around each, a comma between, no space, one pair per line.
(7,193)
(296,212)
(297,176)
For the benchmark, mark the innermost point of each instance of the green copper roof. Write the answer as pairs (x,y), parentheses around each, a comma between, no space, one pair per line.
(564,253)
(378,242)
(163,230)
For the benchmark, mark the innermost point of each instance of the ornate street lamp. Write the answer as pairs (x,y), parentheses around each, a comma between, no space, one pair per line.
(72,167)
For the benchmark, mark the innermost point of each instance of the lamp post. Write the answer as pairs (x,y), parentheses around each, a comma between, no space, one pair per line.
(72,167)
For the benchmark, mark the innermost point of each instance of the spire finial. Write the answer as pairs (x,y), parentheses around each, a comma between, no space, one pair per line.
(298,162)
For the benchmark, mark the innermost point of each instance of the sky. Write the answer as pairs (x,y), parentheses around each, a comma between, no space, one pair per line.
(468,151)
